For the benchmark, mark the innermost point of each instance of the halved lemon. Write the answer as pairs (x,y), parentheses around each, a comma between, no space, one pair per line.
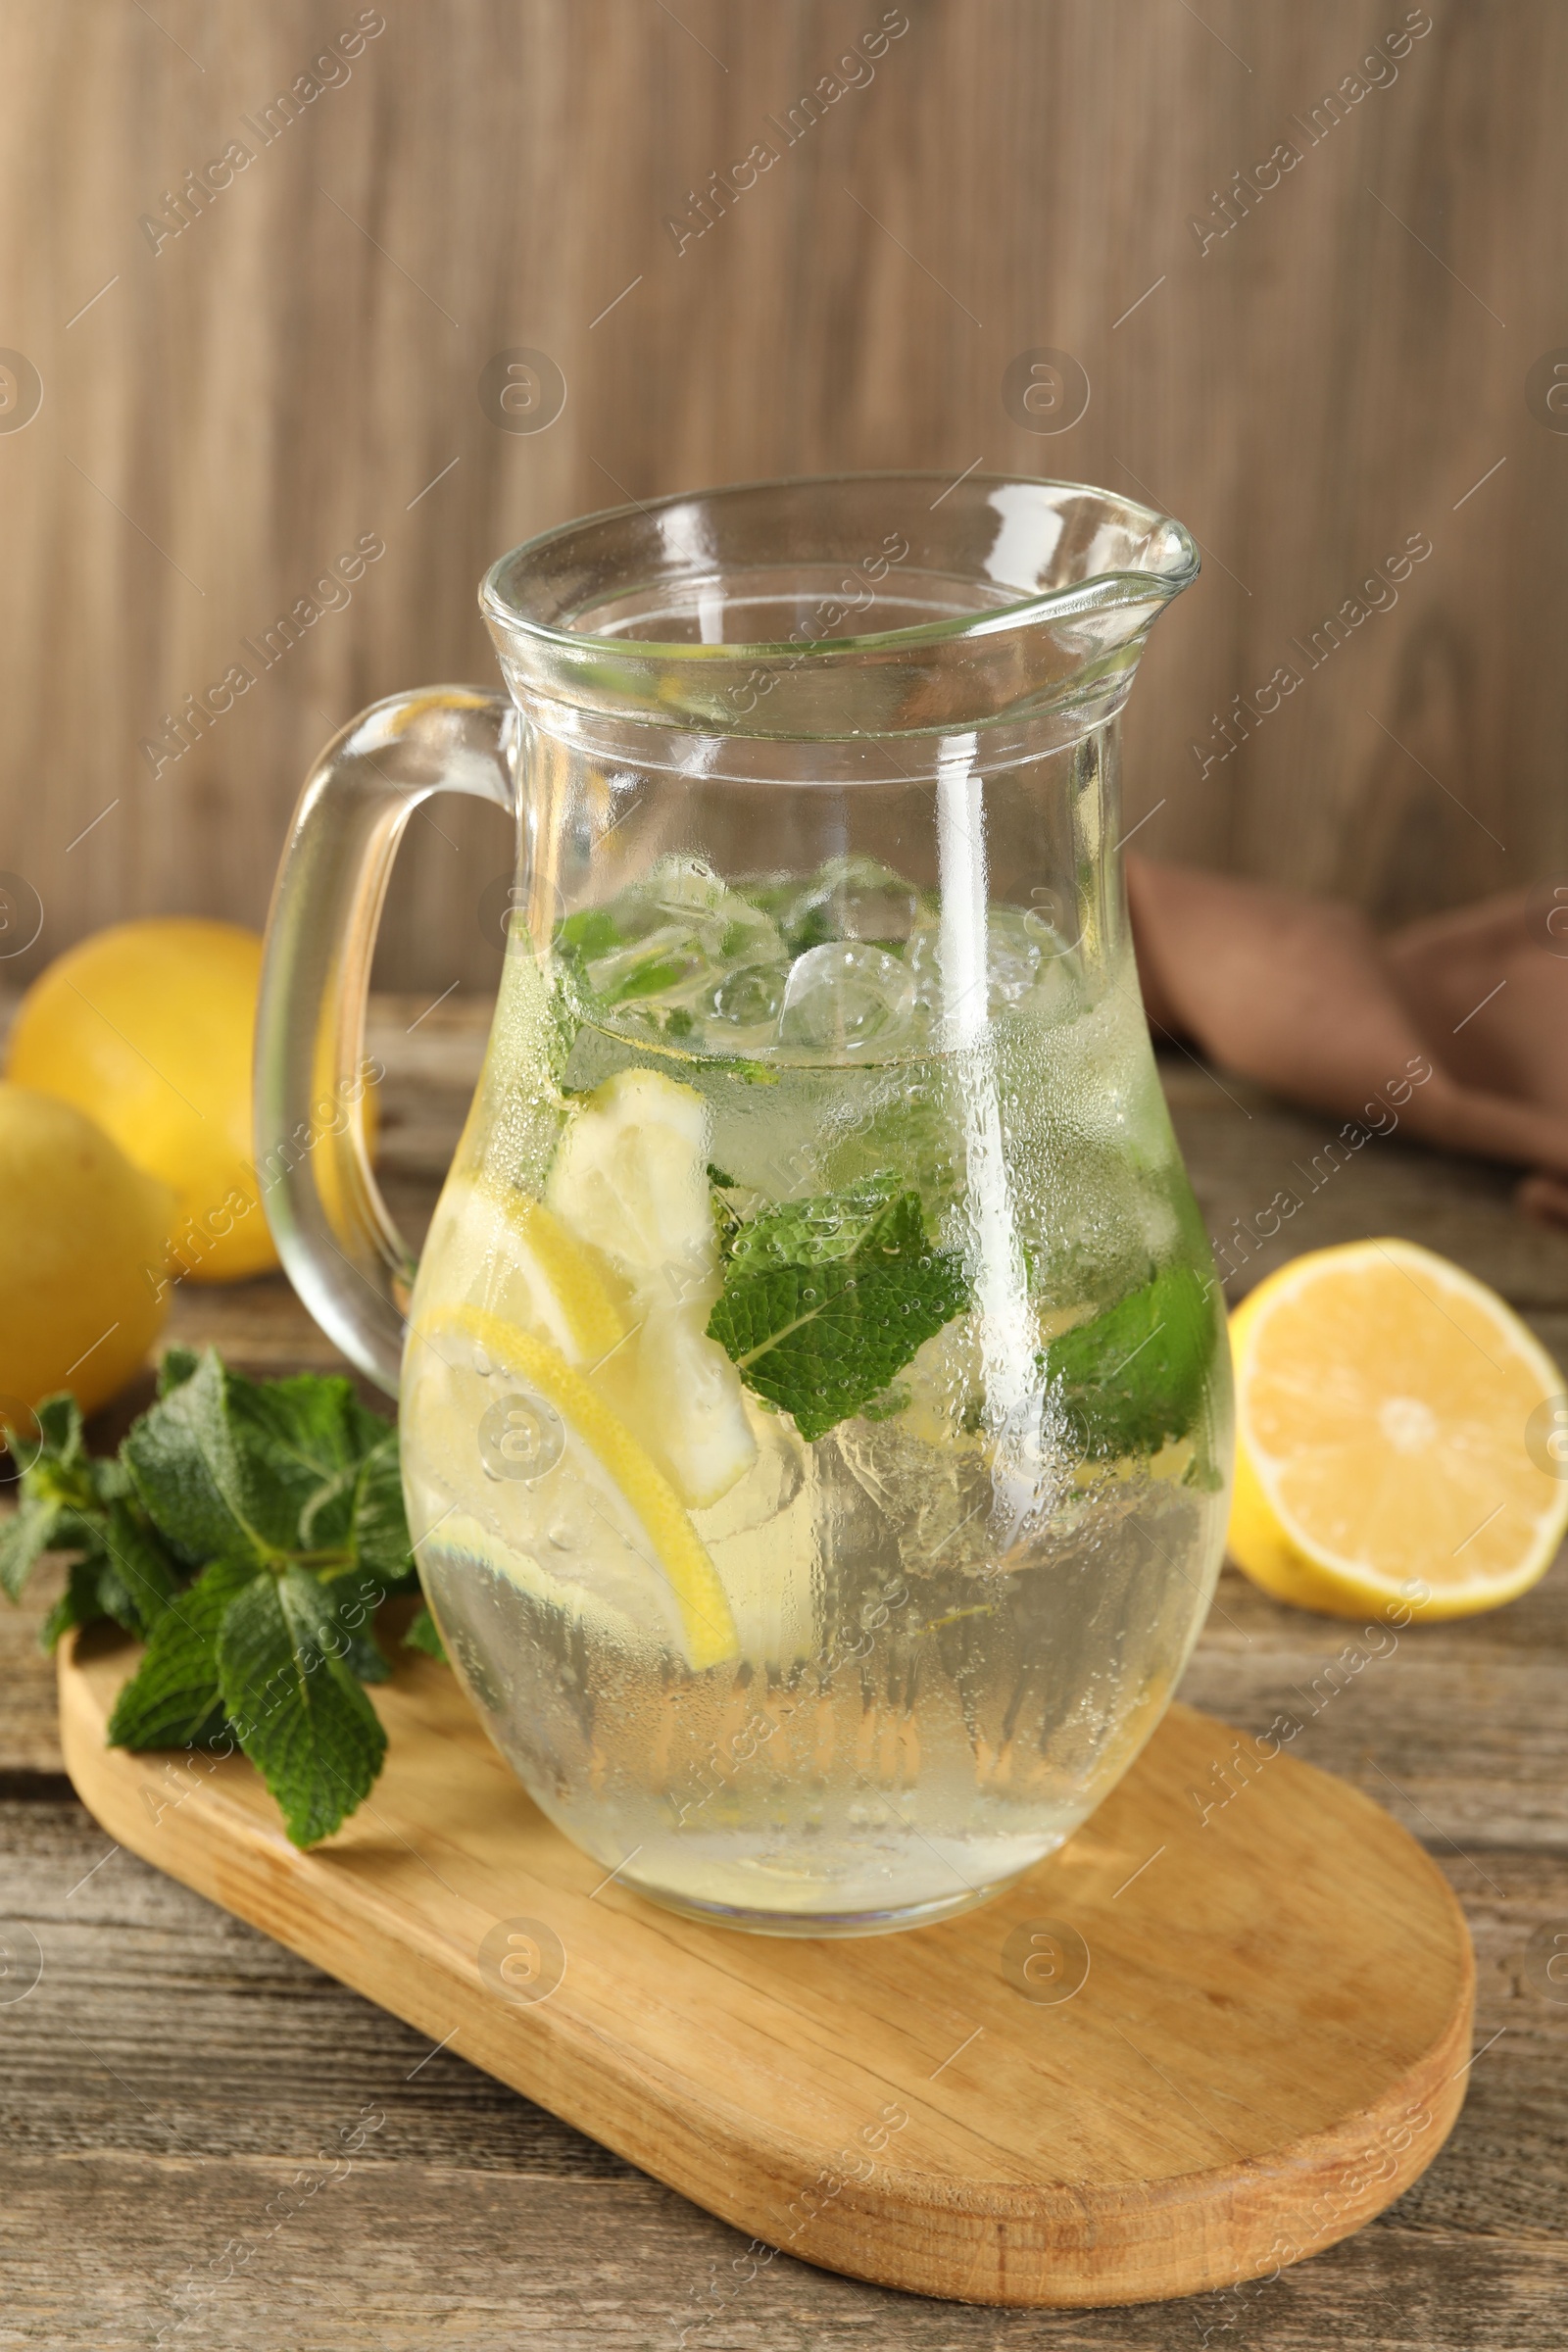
(1391,1459)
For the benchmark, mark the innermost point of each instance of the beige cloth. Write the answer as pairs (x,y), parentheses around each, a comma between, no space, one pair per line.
(1302,995)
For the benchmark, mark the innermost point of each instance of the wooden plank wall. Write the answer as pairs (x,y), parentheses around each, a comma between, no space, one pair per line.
(224,412)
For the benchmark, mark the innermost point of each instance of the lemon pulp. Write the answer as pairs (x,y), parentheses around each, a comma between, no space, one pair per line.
(1384,1398)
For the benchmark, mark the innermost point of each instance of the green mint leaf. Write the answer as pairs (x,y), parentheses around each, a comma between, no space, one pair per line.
(286,1497)
(240,1468)
(31,1530)
(379,1530)
(79,1604)
(61,1475)
(833,1225)
(176,1368)
(81,1530)
(649,979)
(1135,1375)
(107,1482)
(589,933)
(728,1220)
(299,1713)
(824,1301)
(811,928)
(60,1421)
(300,1443)
(192,1476)
(424,1635)
(130,1588)
(138,1578)
(175,1698)
(350,1599)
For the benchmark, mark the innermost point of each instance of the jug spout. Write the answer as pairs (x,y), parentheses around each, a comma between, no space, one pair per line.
(832,609)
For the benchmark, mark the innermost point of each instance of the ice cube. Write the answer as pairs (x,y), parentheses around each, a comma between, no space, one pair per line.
(768,1489)
(854,897)
(935,1501)
(749,999)
(1013,957)
(727,926)
(655,964)
(844,997)
(685,886)
(739,933)
(1022,956)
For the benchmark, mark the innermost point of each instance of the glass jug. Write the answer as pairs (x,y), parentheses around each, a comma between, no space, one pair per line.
(814,1396)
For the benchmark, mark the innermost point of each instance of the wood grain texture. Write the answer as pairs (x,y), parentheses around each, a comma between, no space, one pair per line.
(1260,2045)
(128,2080)
(415,2257)
(147,2136)
(300,366)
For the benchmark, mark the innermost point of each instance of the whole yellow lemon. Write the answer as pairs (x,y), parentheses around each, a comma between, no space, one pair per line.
(148,1028)
(81,1254)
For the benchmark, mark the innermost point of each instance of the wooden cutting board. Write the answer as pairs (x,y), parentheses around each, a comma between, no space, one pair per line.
(1182,2052)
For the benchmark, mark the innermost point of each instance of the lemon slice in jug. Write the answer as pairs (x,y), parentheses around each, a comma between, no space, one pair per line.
(629,1185)
(682,1557)
(504,1251)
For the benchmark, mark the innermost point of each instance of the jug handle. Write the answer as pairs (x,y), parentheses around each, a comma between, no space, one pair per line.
(338,1244)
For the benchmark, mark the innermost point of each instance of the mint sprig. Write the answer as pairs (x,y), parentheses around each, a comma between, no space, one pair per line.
(247,1531)
(824,1301)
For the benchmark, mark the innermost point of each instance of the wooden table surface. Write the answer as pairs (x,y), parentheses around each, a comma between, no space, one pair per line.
(168,2087)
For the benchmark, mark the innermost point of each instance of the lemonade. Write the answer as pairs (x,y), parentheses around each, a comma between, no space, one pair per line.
(815,1410)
